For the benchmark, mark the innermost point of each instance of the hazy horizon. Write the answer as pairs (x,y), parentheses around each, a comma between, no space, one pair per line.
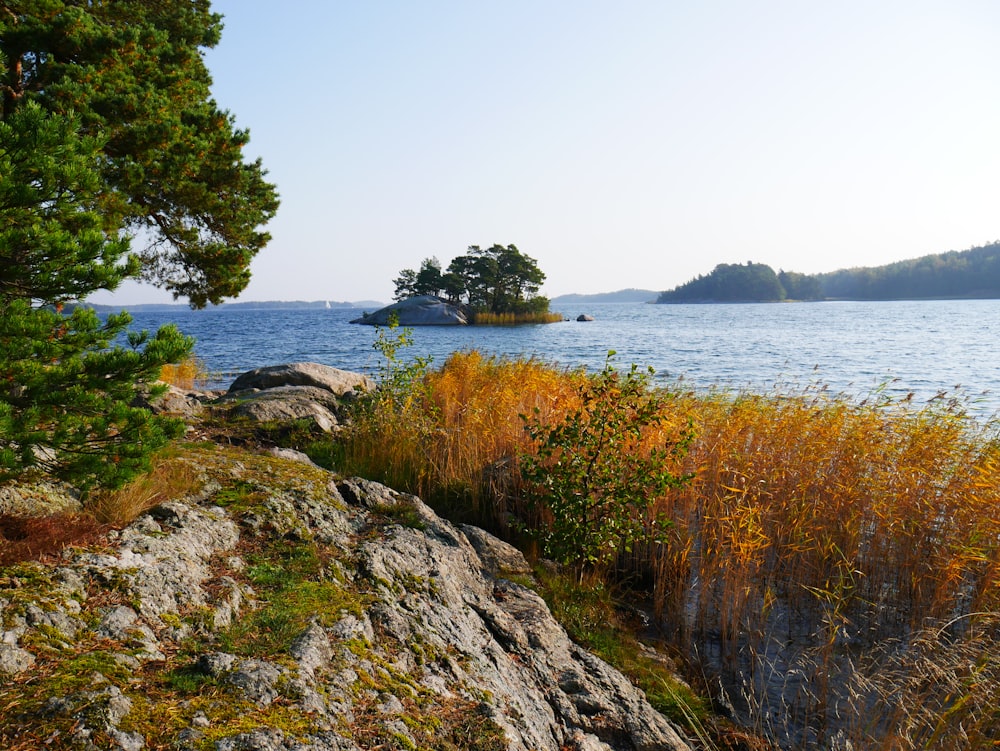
(637,145)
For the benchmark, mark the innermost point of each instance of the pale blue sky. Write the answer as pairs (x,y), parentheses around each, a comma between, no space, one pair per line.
(625,144)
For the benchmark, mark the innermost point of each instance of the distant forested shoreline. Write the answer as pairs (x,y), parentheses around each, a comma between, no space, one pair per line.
(966,274)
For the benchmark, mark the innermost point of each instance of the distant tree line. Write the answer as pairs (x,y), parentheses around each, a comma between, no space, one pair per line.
(973,273)
(753,282)
(494,280)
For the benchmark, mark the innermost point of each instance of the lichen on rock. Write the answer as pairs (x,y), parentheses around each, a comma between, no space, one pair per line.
(287,608)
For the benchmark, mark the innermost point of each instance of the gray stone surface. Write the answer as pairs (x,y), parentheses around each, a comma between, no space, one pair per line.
(287,404)
(431,610)
(336,381)
(498,557)
(188,404)
(296,391)
(38,499)
(542,685)
(14,660)
(256,680)
(422,310)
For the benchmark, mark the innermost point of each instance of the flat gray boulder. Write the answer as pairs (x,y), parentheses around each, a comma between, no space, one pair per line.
(286,404)
(422,310)
(336,381)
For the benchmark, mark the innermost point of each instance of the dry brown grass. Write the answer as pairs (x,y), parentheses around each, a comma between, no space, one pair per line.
(39,537)
(170,477)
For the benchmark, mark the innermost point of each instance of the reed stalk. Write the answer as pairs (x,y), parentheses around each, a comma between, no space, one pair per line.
(813,522)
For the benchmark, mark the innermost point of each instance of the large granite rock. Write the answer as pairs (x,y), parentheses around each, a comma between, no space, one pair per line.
(336,381)
(188,404)
(288,404)
(422,310)
(296,391)
(414,633)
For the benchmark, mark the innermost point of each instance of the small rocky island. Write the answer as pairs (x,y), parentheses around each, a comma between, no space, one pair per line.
(495,285)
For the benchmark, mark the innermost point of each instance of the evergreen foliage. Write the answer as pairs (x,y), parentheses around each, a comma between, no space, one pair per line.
(65,390)
(171,167)
(108,134)
(800,286)
(973,273)
(730,282)
(495,280)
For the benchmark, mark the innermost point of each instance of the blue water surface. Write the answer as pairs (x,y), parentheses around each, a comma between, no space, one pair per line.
(924,347)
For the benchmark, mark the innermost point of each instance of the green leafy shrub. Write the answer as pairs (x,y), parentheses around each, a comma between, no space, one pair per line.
(599,470)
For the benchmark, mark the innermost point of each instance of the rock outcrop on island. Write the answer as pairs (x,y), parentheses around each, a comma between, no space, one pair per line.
(280,607)
(422,310)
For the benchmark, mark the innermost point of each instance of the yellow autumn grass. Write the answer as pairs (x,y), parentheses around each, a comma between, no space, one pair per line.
(485,318)
(874,509)
(868,519)
(185,374)
(455,436)
(170,477)
(798,497)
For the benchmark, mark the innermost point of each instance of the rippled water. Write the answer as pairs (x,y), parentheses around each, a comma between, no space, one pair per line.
(924,347)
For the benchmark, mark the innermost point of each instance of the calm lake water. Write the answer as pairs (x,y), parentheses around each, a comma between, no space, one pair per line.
(924,347)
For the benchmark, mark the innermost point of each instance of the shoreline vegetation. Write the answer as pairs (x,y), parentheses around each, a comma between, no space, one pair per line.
(485,318)
(972,274)
(826,569)
(823,572)
(955,275)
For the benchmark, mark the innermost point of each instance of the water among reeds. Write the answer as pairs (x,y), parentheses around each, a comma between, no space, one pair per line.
(832,570)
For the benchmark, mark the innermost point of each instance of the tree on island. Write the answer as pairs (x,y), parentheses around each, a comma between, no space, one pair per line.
(800,286)
(972,273)
(730,282)
(108,132)
(495,281)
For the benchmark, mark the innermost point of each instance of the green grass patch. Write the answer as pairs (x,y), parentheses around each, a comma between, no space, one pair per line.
(294,586)
(402,513)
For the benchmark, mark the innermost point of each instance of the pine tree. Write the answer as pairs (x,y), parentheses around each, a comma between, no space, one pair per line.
(109,135)
(66,387)
(172,168)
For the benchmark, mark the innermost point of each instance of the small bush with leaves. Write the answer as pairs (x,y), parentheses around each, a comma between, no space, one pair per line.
(599,470)
(398,381)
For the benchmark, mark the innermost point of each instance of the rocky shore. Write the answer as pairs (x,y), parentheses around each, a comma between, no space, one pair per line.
(280,607)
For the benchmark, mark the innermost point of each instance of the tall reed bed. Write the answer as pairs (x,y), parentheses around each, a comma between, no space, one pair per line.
(485,318)
(451,437)
(820,544)
(817,532)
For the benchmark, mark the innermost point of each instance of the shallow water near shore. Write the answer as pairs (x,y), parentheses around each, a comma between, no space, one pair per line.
(927,348)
